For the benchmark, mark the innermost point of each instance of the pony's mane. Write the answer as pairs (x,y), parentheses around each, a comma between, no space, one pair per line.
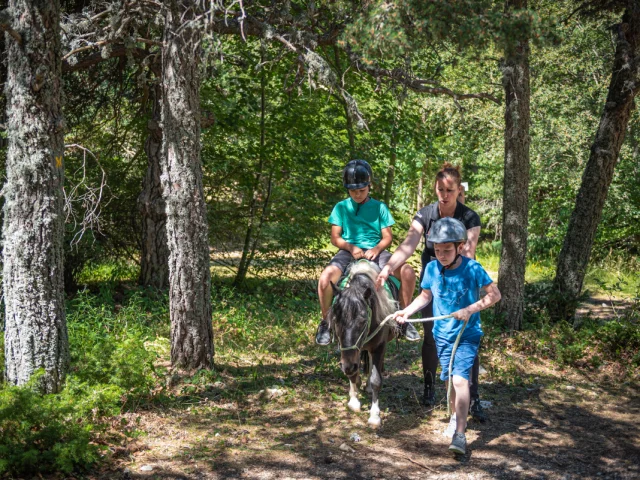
(362,276)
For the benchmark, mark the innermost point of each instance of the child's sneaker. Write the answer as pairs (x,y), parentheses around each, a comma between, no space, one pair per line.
(323,334)
(451,428)
(458,444)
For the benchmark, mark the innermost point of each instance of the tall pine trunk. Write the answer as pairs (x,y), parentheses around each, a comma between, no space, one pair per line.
(154,261)
(515,217)
(187,230)
(598,174)
(33,231)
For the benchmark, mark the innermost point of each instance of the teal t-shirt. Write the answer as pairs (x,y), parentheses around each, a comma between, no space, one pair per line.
(460,288)
(361,224)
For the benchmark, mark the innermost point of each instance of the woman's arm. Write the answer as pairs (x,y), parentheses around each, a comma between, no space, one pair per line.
(469,249)
(404,251)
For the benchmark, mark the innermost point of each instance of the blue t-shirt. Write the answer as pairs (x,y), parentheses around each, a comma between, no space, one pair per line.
(361,224)
(459,289)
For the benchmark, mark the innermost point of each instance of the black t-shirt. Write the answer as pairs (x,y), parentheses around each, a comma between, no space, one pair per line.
(429,214)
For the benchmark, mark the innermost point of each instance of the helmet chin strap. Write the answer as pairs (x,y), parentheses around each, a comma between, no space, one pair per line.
(447,267)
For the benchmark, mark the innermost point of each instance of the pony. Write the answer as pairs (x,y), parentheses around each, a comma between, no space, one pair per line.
(357,312)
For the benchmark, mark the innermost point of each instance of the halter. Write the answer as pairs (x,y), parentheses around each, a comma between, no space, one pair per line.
(355,345)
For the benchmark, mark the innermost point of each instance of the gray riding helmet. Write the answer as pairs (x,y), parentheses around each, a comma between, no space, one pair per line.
(447,230)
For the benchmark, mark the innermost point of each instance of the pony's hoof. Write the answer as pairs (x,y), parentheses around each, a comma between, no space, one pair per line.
(374,422)
(354,405)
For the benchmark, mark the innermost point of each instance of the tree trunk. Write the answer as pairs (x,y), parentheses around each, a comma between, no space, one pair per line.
(391,170)
(598,174)
(251,238)
(154,261)
(349,122)
(420,196)
(33,232)
(515,215)
(187,230)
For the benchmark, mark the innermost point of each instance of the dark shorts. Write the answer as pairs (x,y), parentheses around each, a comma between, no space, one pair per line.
(343,258)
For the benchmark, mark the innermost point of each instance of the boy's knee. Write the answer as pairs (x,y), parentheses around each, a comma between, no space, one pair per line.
(460,382)
(407,273)
(328,275)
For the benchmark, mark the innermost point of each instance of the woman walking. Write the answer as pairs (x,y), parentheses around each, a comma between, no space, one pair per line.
(448,187)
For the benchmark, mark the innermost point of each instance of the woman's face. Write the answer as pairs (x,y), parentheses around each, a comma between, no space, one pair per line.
(447,191)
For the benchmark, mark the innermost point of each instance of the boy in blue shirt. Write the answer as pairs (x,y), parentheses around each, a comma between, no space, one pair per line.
(360,228)
(454,283)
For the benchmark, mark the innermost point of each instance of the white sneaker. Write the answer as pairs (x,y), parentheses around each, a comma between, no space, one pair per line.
(451,428)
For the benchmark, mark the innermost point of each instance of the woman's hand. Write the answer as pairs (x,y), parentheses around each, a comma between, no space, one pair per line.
(462,314)
(382,277)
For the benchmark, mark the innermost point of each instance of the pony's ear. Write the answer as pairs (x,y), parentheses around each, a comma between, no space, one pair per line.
(335,288)
(367,294)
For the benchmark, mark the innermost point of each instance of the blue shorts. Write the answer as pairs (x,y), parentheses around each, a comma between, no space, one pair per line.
(465,355)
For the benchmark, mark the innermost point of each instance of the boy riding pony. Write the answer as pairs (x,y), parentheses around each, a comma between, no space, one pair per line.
(360,228)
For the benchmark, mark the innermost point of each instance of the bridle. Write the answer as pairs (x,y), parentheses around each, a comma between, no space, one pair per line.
(356,345)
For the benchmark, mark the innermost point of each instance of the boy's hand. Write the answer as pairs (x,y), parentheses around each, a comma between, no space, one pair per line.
(357,252)
(371,254)
(382,277)
(400,316)
(462,314)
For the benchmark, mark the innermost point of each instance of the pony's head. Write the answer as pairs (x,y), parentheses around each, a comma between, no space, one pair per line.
(357,308)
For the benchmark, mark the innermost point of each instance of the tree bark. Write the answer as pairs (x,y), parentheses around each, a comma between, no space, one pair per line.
(33,231)
(515,216)
(598,174)
(187,231)
(154,261)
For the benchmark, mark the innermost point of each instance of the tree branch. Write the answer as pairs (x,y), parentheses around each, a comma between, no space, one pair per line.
(413,83)
(96,58)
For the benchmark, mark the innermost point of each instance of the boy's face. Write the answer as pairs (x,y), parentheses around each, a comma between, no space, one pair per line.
(359,195)
(446,252)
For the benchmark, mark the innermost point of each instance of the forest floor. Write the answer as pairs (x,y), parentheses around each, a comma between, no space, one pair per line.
(544,422)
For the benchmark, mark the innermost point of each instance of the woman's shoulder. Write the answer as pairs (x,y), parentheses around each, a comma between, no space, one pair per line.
(467,216)
(427,212)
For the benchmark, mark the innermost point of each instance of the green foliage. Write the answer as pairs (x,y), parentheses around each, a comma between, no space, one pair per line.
(115,337)
(47,433)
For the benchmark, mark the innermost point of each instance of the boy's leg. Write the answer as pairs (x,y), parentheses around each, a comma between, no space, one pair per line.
(407,277)
(331,273)
(408,331)
(460,400)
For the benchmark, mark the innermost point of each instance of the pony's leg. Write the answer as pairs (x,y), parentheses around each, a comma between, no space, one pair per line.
(375,381)
(354,384)
(368,388)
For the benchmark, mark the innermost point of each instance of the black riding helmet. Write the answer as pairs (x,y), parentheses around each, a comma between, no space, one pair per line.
(356,174)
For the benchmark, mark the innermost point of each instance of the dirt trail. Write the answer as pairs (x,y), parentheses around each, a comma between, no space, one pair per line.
(556,424)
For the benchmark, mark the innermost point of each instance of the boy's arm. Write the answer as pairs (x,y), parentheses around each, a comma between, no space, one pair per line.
(421,300)
(387,237)
(342,244)
(492,297)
